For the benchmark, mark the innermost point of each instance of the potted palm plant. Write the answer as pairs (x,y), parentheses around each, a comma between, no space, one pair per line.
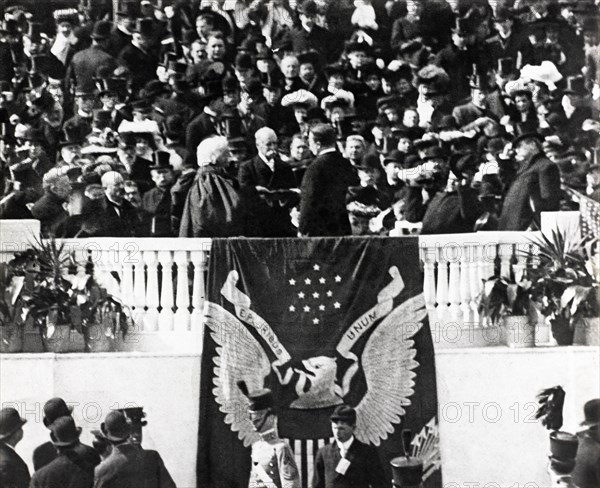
(70,309)
(507,304)
(565,286)
(12,320)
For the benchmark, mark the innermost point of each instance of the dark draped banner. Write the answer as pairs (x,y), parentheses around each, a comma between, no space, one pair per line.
(320,322)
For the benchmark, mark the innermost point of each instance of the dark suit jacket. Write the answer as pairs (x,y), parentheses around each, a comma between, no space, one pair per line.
(84,65)
(50,212)
(73,468)
(323,196)
(468,113)
(158,205)
(365,468)
(275,218)
(13,470)
(102,220)
(45,453)
(141,64)
(130,466)
(537,183)
(318,39)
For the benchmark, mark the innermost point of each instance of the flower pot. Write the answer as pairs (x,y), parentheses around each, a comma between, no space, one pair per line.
(99,338)
(11,338)
(61,338)
(562,331)
(563,446)
(519,331)
(587,332)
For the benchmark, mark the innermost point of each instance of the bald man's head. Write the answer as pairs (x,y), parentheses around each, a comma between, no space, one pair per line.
(112,183)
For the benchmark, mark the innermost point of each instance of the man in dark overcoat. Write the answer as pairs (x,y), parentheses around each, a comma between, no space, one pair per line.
(535,189)
(324,186)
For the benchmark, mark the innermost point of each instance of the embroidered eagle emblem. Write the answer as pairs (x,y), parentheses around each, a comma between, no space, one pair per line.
(387,360)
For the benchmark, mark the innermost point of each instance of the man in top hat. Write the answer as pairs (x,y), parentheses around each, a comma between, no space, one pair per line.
(310,36)
(535,189)
(13,470)
(347,462)
(74,463)
(139,56)
(273,462)
(587,463)
(458,58)
(473,114)
(269,176)
(509,42)
(128,465)
(157,201)
(577,108)
(324,186)
(83,67)
(82,121)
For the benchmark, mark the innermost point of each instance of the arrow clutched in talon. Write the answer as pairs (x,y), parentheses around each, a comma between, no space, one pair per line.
(232,293)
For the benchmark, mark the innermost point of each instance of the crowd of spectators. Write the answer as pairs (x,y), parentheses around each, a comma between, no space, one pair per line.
(273,118)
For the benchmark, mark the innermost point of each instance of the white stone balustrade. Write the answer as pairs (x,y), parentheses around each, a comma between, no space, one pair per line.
(163,281)
(455,267)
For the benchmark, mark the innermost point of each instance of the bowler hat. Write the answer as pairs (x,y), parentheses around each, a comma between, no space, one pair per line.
(101,118)
(243,61)
(35,32)
(576,86)
(307,57)
(308,7)
(10,422)
(253,87)
(433,152)
(369,161)
(230,84)
(344,413)
(334,69)
(55,408)
(144,26)
(161,160)
(116,427)
(111,86)
(506,67)
(101,30)
(527,136)
(394,156)
(63,432)
(591,411)
(154,88)
(72,137)
(260,399)
(356,46)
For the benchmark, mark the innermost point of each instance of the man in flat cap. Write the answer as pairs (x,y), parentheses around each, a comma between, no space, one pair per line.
(13,470)
(273,464)
(347,461)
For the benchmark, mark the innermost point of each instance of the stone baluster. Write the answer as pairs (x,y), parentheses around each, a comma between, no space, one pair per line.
(506,253)
(429,259)
(198,258)
(139,292)
(454,291)
(474,280)
(441,295)
(152,300)
(182,299)
(165,318)
(127,256)
(465,260)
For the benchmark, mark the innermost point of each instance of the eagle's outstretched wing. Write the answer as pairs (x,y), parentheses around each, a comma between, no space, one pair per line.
(388,363)
(239,357)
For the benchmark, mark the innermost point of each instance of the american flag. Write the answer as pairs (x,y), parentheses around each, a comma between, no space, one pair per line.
(589,211)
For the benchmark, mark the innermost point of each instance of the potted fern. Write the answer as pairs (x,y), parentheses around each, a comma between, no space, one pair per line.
(507,303)
(70,309)
(565,286)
